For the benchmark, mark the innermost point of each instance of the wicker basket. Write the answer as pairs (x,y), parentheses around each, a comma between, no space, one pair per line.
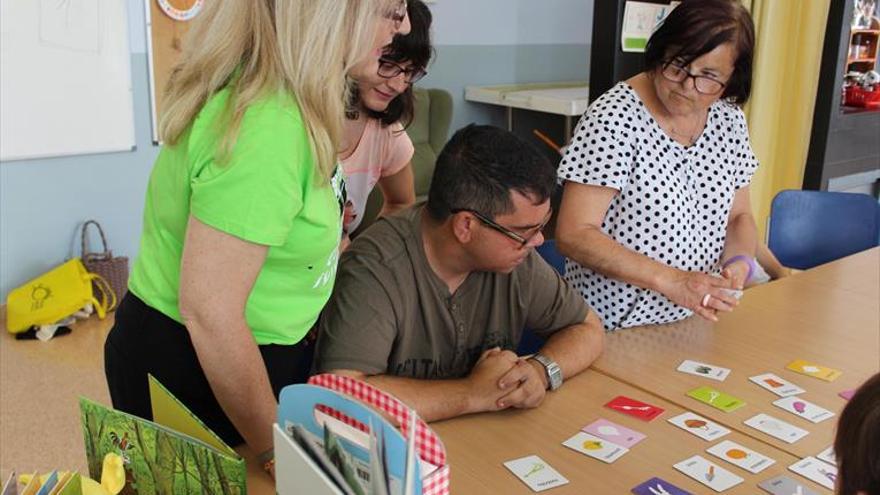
(114,269)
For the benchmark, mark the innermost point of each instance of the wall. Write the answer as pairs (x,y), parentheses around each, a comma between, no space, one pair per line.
(43,202)
(489,42)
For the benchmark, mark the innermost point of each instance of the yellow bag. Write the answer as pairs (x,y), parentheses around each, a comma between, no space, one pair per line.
(55,295)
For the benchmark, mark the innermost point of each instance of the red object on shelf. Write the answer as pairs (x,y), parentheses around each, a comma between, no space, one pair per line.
(856,96)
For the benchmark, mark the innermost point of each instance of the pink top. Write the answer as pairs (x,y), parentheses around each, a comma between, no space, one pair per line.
(381,152)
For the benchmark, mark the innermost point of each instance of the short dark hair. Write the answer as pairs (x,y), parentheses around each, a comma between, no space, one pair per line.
(697,27)
(415,48)
(480,166)
(857,444)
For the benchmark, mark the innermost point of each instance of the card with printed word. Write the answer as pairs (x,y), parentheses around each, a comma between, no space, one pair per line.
(776,428)
(814,370)
(783,485)
(613,432)
(815,470)
(708,473)
(595,447)
(641,410)
(704,370)
(659,486)
(740,456)
(699,426)
(804,409)
(827,455)
(777,385)
(716,399)
(536,473)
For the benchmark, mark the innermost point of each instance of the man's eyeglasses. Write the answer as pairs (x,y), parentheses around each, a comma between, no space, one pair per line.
(390,69)
(397,15)
(703,84)
(520,239)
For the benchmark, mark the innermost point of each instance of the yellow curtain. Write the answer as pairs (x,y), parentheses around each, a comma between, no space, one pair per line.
(788,53)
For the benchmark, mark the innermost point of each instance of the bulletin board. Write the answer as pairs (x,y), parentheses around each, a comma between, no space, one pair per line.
(168,22)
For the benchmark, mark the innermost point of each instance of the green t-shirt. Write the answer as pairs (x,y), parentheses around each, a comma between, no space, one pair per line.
(266,193)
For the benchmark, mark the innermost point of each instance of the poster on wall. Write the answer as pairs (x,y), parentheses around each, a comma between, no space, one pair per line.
(168,21)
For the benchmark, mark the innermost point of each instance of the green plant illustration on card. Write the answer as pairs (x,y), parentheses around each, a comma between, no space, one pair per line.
(159,459)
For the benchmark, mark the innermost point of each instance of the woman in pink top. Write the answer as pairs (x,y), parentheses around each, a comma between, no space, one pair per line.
(376,149)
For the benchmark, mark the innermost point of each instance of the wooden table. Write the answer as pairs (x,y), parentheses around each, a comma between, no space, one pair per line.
(478,445)
(830,316)
(40,386)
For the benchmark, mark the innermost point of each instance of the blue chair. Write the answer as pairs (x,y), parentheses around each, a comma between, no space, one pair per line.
(530,343)
(809,228)
(552,256)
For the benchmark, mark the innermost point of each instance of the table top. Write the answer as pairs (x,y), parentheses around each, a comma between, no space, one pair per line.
(830,317)
(562,98)
(478,445)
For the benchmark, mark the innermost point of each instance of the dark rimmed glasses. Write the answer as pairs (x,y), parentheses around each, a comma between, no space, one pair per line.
(703,84)
(520,239)
(390,69)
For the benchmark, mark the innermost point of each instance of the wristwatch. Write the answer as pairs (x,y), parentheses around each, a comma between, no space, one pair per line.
(553,371)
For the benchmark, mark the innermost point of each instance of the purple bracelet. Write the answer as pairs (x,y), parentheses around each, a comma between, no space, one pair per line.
(741,257)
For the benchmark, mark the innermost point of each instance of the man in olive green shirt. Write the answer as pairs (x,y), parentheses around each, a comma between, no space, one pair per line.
(430,304)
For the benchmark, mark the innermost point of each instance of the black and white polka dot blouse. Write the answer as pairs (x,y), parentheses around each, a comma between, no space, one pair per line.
(673,202)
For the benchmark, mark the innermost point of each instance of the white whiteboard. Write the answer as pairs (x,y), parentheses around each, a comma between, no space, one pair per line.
(65,78)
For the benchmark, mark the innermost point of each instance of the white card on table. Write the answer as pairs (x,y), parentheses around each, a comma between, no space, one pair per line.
(776,428)
(804,409)
(699,426)
(708,473)
(777,385)
(533,471)
(827,455)
(704,370)
(783,485)
(595,447)
(816,470)
(743,457)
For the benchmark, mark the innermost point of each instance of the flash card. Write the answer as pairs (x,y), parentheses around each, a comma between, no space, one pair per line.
(536,473)
(708,473)
(811,468)
(777,385)
(814,370)
(595,447)
(704,370)
(699,426)
(804,409)
(613,432)
(776,428)
(645,412)
(743,457)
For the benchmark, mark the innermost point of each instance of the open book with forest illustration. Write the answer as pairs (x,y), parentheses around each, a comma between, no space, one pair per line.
(174,453)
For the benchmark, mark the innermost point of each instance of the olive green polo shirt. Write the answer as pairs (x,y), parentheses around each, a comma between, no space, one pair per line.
(391,314)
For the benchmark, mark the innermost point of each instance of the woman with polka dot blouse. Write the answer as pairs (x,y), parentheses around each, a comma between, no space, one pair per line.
(655,217)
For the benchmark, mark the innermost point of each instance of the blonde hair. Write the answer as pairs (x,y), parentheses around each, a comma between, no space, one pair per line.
(305,47)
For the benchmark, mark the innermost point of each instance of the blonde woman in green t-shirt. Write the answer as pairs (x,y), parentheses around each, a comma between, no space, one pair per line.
(243,209)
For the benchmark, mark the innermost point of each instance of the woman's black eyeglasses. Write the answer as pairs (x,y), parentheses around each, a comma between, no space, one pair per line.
(703,84)
(390,69)
(521,240)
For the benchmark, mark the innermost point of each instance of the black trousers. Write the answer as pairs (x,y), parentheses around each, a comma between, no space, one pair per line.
(143,340)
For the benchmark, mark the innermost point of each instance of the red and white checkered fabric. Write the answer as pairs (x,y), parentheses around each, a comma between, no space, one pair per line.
(428,444)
